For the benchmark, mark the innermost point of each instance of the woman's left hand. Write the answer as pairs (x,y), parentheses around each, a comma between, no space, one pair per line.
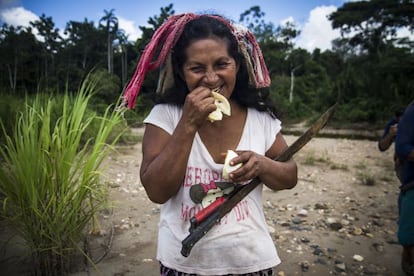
(274,174)
(252,166)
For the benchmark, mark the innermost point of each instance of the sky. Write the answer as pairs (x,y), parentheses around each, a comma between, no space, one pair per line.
(309,16)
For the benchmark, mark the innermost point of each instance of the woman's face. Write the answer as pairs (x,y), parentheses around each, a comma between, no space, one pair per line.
(209,64)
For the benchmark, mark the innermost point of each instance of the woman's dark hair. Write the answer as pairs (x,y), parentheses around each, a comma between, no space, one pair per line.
(206,26)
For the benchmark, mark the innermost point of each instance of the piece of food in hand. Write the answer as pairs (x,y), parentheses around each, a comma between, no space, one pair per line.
(227,168)
(223,107)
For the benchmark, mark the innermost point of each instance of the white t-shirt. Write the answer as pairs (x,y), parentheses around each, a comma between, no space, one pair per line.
(240,243)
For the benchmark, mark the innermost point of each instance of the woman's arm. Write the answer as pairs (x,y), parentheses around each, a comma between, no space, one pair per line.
(274,174)
(279,175)
(386,141)
(165,156)
(164,161)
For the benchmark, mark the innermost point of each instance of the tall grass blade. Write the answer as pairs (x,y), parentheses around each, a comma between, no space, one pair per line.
(50,188)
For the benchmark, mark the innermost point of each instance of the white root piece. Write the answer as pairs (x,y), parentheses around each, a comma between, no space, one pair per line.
(227,169)
(222,104)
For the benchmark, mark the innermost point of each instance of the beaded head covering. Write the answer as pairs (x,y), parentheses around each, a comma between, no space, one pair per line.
(168,34)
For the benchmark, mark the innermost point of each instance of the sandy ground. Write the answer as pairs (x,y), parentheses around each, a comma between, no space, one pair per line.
(339,220)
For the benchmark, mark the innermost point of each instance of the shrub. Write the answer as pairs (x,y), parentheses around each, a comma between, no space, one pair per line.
(50,186)
(10,108)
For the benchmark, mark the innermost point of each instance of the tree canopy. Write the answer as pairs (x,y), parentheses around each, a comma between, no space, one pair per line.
(369,71)
(371,25)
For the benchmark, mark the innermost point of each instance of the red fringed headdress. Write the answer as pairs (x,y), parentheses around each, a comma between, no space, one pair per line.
(167,36)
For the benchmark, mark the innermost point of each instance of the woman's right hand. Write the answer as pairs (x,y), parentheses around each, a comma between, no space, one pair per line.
(198,104)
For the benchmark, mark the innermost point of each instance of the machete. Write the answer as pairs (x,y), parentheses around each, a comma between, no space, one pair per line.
(243,190)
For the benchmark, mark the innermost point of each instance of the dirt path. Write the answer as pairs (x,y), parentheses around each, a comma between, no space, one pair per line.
(340,219)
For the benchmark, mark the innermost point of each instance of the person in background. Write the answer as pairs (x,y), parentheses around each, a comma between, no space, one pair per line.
(404,148)
(182,147)
(390,131)
(388,138)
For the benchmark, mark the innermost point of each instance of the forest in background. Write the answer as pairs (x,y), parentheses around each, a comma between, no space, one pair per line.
(369,72)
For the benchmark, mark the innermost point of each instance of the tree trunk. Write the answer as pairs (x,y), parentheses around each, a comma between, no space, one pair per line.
(12,75)
(292,81)
(85,57)
(124,66)
(110,52)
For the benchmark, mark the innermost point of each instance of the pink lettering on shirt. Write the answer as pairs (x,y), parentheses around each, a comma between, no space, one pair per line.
(195,175)
(240,212)
(187,211)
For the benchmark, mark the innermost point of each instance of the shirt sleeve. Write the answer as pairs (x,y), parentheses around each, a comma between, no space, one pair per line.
(164,116)
(273,127)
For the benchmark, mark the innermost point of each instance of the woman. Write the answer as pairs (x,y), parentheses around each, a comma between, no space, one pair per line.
(182,148)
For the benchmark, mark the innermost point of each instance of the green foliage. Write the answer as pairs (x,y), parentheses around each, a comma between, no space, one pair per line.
(155,22)
(358,110)
(10,108)
(108,89)
(50,180)
(134,119)
(293,112)
(372,23)
(18,50)
(369,71)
